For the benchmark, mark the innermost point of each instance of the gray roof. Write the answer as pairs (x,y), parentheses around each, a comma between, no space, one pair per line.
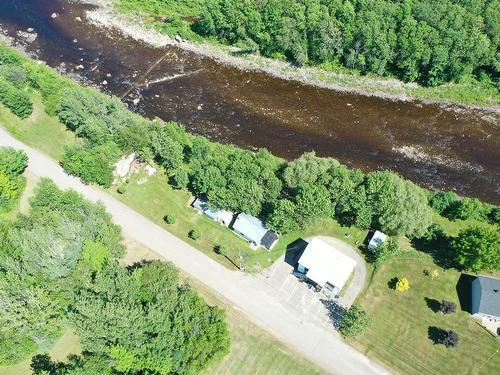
(490,295)
(250,227)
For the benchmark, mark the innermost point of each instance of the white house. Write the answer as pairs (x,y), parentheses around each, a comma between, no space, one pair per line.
(486,298)
(326,266)
(254,231)
(222,216)
(377,239)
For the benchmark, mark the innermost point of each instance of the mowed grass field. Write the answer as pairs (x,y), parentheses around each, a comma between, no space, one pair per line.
(398,335)
(40,130)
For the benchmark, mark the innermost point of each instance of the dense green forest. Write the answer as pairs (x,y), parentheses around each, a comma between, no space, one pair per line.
(59,267)
(286,195)
(427,41)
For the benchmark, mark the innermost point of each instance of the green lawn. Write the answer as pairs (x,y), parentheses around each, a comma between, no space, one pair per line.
(40,130)
(156,198)
(398,335)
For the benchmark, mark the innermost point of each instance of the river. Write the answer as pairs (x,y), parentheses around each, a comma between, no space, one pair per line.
(439,147)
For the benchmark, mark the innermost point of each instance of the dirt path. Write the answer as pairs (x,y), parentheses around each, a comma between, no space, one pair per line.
(260,302)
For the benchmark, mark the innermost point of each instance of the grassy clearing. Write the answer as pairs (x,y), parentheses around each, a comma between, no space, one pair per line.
(253,351)
(398,335)
(40,130)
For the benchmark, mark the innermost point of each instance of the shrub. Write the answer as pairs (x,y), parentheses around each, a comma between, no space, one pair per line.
(354,321)
(170,219)
(221,250)
(15,99)
(122,189)
(12,162)
(447,338)
(447,307)
(402,284)
(194,234)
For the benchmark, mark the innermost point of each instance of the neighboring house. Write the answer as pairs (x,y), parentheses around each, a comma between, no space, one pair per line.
(254,231)
(486,298)
(222,216)
(377,239)
(326,266)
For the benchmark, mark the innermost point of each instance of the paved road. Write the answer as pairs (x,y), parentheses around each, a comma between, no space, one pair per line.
(258,300)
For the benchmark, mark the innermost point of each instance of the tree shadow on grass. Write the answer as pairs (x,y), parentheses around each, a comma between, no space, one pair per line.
(432,304)
(434,334)
(439,249)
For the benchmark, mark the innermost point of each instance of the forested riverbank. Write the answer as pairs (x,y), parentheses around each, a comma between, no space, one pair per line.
(449,50)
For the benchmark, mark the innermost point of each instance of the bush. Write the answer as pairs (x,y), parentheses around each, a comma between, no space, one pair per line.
(15,99)
(170,219)
(221,250)
(122,189)
(447,338)
(354,321)
(12,162)
(402,285)
(447,307)
(194,234)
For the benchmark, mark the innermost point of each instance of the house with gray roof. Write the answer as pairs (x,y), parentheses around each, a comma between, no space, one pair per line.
(254,231)
(486,297)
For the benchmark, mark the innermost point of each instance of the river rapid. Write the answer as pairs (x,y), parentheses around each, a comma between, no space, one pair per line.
(437,146)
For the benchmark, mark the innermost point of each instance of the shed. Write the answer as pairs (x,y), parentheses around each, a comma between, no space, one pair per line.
(254,231)
(377,239)
(486,297)
(326,266)
(222,216)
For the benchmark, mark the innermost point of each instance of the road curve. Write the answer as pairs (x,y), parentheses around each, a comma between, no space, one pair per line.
(259,301)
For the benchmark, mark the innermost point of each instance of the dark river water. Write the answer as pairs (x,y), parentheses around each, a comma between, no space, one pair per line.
(437,147)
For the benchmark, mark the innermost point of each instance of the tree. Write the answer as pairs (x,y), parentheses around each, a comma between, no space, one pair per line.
(194,234)
(402,285)
(10,191)
(447,307)
(93,164)
(312,201)
(95,255)
(283,219)
(167,151)
(12,162)
(308,169)
(399,206)
(384,251)
(447,338)
(181,179)
(15,99)
(477,249)
(174,330)
(354,322)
